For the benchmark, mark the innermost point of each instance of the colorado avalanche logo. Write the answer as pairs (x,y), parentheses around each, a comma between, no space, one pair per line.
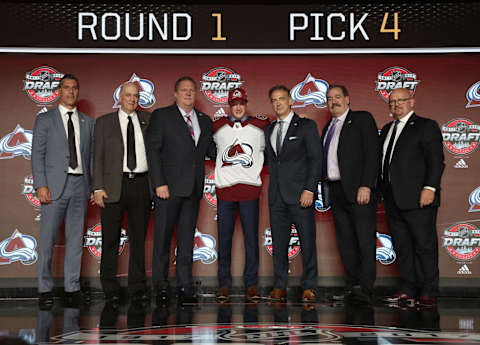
(474,200)
(473,95)
(17,143)
(238,153)
(146,100)
(310,91)
(385,253)
(203,248)
(18,247)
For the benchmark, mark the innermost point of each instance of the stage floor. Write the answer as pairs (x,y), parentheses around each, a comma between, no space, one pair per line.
(454,320)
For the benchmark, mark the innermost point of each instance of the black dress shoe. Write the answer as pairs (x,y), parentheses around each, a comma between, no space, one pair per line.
(362,295)
(140,296)
(112,297)
(45,300)
(162,297)
(75,299)
(187,296)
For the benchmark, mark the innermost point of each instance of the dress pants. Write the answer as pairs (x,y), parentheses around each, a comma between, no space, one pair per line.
(282,215)
(181,212)
(71,206)
(227,215)
(415,241)
(355,228)
(135,201)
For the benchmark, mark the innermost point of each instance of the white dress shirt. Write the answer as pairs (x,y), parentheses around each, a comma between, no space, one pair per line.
(140,153)
(285,125)
(194,119)
(76,127)
(333,172)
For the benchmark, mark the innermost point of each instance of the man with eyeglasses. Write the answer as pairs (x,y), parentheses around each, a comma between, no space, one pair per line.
(349,172)
(412,166)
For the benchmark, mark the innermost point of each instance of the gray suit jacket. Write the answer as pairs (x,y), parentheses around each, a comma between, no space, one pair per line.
(50,154)
(108,153)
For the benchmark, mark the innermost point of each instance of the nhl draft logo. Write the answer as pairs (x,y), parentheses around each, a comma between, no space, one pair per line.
(217,82)
(209,189)
(238,153)
(293,246)
(203,248)
(310,91)
(462,242)
(474,200)
(385,253)
(320,204)
(394,78)
(42,84)
(146,87)
(18,247)
(461,136)
(93,241)
(473,96)
(29,192)
(16,143)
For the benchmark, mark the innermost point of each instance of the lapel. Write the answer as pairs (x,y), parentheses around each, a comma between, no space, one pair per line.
(346,125)
(268,134)
(290,131)
(402,139)
(180,121)
(201,124)
(83,131)
(117,129)
(143,123)
(60,126)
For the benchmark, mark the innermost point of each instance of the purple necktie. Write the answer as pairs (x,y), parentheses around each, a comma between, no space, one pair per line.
(326,146)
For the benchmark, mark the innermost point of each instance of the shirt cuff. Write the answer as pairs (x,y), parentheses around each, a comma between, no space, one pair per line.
(433,189)
(306,190)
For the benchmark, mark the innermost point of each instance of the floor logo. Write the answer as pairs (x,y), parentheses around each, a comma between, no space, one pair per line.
(293,246)
(209,191)
(217,82)
(473,96)
(146,88)
(310,91)
(93,241)
(16,143)
(474,200)
(18,247)
(42,84)
(461,136)
(385,253)
(462,242)
(394,78)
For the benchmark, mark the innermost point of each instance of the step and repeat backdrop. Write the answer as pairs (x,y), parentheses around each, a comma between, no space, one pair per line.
(431,49)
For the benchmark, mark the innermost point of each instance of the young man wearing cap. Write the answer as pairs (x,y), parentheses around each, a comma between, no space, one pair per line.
(240,144)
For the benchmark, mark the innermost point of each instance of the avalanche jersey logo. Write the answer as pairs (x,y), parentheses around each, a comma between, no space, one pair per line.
(146,97)
(473,95)
(16,143)
(18,247)
(238,153)
(385,253)
(203,248)
(310,91)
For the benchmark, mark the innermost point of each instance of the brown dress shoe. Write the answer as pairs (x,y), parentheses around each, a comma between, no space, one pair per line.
(278,295)
(223,294)
(308,296)
(252,293)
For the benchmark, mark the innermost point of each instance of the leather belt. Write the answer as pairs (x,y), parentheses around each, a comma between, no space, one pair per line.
(132,175)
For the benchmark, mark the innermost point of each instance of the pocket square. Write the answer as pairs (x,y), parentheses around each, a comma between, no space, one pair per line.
(292,138)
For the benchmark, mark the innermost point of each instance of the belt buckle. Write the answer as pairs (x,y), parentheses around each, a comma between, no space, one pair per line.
(131,175)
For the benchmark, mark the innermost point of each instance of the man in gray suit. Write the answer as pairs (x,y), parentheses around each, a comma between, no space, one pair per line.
(61,150)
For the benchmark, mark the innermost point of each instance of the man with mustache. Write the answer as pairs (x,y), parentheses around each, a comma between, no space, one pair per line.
(350,169)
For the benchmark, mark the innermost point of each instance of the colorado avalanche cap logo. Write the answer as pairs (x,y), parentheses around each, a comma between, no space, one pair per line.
(16,143)
(146,99)
(474,200)
(310,91)
(238,153)
(473,96)
(18,247)
(385,253)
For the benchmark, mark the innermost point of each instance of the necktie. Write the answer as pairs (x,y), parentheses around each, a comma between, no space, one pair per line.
(279,138)
(386,159)
(326,147)
(131,154)
(73,163)
(190,126)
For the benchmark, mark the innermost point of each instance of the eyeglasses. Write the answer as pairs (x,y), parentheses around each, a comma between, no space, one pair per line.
(399,101)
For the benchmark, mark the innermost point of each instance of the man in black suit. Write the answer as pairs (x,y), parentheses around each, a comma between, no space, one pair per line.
(412,167)
(177,142)
(120,184)
(350,169)
(294,156)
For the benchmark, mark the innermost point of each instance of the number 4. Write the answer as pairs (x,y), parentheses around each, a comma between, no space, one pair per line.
(395,29)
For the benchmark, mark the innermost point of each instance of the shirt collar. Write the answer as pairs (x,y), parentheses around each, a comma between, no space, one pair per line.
(122,113)
(64,110)
(184,113)
(342,117)
(243,119)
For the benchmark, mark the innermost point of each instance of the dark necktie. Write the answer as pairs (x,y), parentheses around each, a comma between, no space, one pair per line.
(326,147)
(71,142)
(386,159)
(131,155)
(279,138)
